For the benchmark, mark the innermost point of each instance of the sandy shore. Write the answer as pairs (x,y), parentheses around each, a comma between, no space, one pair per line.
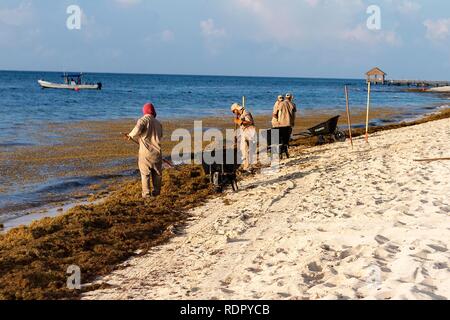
(87,159)
(331,224)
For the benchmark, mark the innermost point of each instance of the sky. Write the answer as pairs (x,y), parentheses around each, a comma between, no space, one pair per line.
(292,38)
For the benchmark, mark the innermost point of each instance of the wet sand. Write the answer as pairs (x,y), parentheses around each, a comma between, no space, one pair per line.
(89,158)
(99,237)
(331,223)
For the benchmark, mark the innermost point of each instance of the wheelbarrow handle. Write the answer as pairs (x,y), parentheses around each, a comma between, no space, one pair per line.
(302,134)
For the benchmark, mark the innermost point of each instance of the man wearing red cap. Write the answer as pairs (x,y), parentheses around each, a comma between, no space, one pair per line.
(148,132)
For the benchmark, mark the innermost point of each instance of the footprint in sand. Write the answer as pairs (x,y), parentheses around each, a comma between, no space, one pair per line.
(314,267)
(399,224)
(445,209)
(409,214)
(393,249)
(227,291)
(437,248)
(381,239)
(422,255)
(284,294)
(254,270)
(440,265)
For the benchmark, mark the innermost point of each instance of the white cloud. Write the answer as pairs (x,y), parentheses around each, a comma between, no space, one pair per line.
(363,35)
(17,16)
(275,21)
(312,3)
(409,7)
(437,29)
(92,30)
(405,7)
(289,24)
(210,30)
(167,35)
(128,3)
(213,35)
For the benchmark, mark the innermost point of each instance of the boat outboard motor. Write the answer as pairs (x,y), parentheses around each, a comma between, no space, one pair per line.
(99,84)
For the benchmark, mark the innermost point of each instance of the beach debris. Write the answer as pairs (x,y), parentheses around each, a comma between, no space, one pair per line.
(244,216)
(368,110)
(432,160)
(231,236)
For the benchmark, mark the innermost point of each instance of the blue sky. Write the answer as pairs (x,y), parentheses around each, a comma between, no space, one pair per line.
(300,38)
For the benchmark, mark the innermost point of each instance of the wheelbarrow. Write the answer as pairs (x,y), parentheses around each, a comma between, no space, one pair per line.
(222,172)
(328,129)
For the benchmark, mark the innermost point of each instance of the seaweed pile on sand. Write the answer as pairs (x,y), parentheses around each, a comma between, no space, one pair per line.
(98,237)
(441,114)
(34,259)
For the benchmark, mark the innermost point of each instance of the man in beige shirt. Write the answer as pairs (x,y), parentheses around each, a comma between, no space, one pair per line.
(284,121)
(283,114)
(276,108)
(292,108)
(244,119)
(148,132)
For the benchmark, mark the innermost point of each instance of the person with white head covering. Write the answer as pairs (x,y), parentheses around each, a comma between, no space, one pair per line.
(284,120)
(244,120)
(292,108)
(276,106)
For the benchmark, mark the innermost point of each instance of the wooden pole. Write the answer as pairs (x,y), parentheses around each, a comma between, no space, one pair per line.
(368,110)
(432,160)
(348,115)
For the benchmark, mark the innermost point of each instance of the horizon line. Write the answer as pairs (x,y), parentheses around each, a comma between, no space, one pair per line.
(186,74)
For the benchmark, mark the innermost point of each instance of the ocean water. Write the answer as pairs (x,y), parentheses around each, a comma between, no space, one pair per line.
(24,106)
(26,109)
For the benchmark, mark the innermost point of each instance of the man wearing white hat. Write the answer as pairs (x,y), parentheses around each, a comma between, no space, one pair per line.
(283,120)
(244,119)
(276,109)
(292,108)
(284,112)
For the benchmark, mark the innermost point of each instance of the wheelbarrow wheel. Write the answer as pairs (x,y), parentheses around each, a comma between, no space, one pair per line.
(340,136)
(235,186)
(216,182)
(321,140)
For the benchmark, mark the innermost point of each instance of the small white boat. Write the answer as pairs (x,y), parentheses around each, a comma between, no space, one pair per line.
(440,89)
(71,82)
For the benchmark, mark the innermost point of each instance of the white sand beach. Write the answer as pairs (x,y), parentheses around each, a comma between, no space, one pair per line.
(333,223)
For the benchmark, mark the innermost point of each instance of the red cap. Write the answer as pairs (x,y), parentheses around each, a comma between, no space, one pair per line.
(149,109)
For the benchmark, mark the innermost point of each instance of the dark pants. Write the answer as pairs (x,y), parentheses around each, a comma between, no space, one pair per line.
(284,134)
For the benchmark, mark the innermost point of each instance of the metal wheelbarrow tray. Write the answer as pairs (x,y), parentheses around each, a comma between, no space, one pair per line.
(325,129)
(223,172)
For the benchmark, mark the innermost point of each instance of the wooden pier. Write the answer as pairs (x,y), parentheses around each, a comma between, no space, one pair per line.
(417,83)
(377,76)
